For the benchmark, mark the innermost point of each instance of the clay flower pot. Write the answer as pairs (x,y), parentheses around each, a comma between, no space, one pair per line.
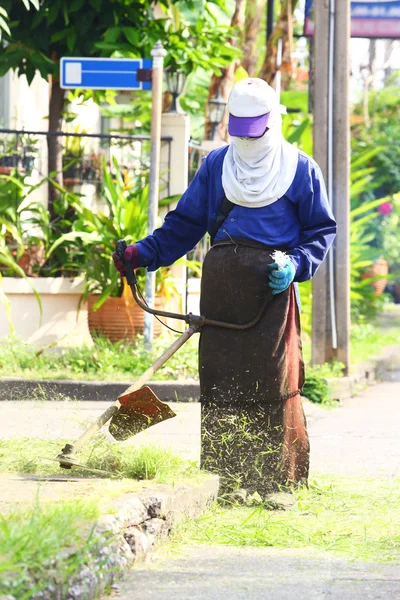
(379,268)
(119,318)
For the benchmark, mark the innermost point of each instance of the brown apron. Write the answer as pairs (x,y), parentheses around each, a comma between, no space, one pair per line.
(253,426)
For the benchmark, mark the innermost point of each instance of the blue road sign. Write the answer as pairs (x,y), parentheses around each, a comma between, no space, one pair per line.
(369,19)
(103,73)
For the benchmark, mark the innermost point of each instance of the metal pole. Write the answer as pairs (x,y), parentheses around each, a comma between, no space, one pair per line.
(321,343)
(278,75)
(158,54)
(330,142)
(270,18)
(341,178)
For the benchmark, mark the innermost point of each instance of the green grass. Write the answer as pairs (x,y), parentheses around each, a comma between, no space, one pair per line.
(45,544)
(354,517)
(27,456)
(368,340)
(126,361)
(104,360)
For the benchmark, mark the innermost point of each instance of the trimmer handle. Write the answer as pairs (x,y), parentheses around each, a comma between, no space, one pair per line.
(120,248)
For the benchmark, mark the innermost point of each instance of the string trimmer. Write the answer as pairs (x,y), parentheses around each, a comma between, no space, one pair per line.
(138,408)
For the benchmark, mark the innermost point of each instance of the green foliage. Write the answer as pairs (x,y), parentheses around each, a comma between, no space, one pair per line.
(26,223)
(381,129)
(112,28)
(364,301)
(135,116)
(305,289)
(295,99)
(46,544)
(194,35)
(316,387)
(94,234)
(121,361)
(36,543)
(4,26)
(297,127)
(17,212)
(369,339)
(194,100)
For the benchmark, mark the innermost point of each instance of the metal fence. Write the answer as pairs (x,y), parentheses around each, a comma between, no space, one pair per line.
(196,156)
(82,155)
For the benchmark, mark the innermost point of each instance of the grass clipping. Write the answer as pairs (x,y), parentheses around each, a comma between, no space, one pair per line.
(354,517)
(119,460)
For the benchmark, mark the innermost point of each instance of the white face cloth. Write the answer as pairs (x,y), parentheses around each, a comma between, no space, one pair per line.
(258,171)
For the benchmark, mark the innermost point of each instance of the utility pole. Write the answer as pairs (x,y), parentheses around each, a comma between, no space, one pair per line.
(158,54)
(341,178)
(270,19)
(331,285)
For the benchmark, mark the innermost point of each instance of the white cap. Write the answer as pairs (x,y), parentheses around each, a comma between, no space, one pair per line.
(251,98)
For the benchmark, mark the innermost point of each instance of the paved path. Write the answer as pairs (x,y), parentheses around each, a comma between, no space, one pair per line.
(228,573)
(360,438)
(66,420)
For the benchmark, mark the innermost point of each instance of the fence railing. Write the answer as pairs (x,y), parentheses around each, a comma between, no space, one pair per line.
(196,155)
(82,154)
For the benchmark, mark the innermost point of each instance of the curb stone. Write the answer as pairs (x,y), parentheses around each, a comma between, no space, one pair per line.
(18,388)
(128,530)
(385,367)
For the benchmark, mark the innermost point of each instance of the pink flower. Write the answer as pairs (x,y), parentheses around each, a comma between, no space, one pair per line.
(385,208)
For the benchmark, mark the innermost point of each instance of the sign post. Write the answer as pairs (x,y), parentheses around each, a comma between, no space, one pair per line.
(158,54)
(128,74)
(103,73)
(369,18)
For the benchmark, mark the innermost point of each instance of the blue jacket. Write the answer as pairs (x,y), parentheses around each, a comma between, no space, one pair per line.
(301,221)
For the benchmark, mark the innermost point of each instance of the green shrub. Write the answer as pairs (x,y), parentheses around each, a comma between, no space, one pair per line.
(316,387)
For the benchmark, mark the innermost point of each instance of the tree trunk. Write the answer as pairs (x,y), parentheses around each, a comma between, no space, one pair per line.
(54,143)
(254,11)
(284,30)
(224,81)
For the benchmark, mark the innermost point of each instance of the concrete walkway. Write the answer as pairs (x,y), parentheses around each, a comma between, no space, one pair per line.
(361,439)
(229,573)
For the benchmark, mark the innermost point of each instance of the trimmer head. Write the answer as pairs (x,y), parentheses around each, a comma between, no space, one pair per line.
(138,411)
(66,459)
(67,462)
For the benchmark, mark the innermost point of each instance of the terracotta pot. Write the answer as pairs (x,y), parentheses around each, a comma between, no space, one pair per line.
(119,318)
(32,257)
(380,267)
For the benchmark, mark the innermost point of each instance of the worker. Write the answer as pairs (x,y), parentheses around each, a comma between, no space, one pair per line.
(265,206)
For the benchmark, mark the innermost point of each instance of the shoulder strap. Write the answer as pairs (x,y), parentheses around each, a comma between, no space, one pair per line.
(225,209)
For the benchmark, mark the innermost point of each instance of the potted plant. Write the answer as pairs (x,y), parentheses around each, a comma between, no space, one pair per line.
(73,153)
(17,215)
(9,155)
(111,309)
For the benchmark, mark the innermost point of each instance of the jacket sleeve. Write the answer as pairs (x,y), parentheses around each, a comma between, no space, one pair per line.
(318,226)
(182,229)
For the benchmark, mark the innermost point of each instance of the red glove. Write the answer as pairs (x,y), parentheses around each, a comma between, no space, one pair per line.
(130,254)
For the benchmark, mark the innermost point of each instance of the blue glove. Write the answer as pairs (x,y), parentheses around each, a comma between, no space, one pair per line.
(280,280)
